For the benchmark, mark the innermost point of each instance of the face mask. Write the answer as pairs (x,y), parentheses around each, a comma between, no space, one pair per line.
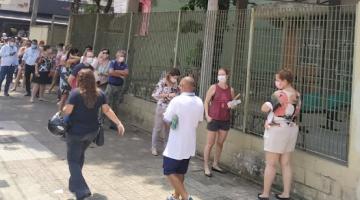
(222,78)
(278,85)
(173,80)
(121,59)
(89,60)
(11,44)
(34,46)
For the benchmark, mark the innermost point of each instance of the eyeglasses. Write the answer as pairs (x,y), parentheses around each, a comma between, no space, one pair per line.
(105,52)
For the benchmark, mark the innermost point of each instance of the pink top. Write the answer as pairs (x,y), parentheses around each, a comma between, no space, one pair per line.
(218,109)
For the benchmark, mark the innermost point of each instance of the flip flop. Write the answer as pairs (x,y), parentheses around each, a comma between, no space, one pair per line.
(218,170)
(208,175)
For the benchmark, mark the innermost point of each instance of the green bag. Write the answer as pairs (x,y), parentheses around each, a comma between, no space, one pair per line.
(174,122)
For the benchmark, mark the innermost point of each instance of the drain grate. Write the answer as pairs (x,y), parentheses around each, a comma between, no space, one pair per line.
(8,139)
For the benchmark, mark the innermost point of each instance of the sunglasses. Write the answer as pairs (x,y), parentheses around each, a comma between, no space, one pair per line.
(105,52)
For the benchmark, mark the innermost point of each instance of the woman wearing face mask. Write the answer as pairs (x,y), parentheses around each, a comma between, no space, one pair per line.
(217,113)
(280,132)
(101,66)
(165,90)
(42,69)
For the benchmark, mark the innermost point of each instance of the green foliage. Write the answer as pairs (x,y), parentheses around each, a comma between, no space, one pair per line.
(90,9)
(194,56)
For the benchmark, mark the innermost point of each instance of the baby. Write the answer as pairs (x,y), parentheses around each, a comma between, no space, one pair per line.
(279,107)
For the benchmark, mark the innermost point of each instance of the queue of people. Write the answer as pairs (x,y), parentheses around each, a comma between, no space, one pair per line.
(89,85)
(179,127)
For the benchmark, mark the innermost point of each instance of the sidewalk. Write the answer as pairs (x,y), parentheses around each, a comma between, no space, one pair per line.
(33,164)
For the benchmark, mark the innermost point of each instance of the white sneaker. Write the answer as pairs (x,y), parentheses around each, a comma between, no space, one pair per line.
(171,197)
(154,152)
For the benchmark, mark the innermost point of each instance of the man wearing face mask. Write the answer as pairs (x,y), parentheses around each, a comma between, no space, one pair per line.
(85,64)
(118,71)
(9,61)
(28,63)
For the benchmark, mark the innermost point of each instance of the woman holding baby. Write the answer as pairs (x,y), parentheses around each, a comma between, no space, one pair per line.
(280,133)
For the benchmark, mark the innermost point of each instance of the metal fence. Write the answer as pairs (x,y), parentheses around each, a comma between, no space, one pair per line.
(315,42)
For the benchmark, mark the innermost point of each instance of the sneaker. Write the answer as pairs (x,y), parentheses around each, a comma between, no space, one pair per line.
(171,197)
(27,95)
(154,152)
(190,198)
(6,94)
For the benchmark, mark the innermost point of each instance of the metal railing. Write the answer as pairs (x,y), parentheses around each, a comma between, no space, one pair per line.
(316,42)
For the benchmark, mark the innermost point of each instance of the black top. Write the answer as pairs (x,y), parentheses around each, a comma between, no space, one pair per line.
(84,120)
(76,69)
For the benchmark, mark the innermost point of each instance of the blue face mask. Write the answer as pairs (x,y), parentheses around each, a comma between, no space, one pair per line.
(34,46)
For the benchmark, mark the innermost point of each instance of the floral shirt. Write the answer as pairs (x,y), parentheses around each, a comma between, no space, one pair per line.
(285,107)
(163,88)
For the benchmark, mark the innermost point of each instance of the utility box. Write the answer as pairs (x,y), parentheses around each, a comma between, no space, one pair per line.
(51,34)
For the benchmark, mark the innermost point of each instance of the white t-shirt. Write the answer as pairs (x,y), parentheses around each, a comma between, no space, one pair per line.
(182,141)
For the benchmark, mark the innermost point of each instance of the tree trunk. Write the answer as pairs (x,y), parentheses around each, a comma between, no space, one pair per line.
(108,6)
(98,6)
(75,6)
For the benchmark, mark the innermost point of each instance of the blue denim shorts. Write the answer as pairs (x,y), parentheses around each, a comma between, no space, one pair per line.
(172,166)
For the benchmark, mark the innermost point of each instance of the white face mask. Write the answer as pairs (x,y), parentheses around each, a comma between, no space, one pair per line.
(89,60)
(173,80)
(121,59)
(278,85)
(222,78)
(11,43)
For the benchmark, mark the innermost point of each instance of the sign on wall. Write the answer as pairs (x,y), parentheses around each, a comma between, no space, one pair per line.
(121,6)
(15,5)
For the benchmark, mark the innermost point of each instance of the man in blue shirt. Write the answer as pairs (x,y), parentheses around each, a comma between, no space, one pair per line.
(9,61)
(118,71)
(29,59)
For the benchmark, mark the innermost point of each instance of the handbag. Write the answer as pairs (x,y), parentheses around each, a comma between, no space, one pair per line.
(99,139)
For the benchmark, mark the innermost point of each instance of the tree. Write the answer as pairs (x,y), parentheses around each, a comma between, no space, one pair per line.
(75,6)
(221,25)
(106,9)
(223,4)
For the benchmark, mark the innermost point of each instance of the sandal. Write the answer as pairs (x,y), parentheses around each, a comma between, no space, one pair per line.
(262,198)
(208,174)
(277,196)
(218,170)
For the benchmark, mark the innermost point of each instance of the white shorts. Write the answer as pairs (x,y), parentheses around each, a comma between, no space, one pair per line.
(281,139)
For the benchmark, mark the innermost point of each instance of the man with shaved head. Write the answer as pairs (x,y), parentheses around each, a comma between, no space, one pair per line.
(183,113)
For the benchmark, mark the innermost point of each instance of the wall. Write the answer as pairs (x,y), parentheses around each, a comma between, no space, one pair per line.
(39,32)
(314,178)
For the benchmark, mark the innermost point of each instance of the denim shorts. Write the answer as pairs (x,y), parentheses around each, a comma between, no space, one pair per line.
(172,166)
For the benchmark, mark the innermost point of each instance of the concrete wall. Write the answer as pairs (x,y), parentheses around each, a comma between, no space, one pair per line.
(43,32)
(314,178)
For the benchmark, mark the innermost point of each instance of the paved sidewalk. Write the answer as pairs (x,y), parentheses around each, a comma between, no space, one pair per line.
(33,165)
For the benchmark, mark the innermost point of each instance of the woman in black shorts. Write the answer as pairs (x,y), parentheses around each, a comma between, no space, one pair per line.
(217,112)
(42,73)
